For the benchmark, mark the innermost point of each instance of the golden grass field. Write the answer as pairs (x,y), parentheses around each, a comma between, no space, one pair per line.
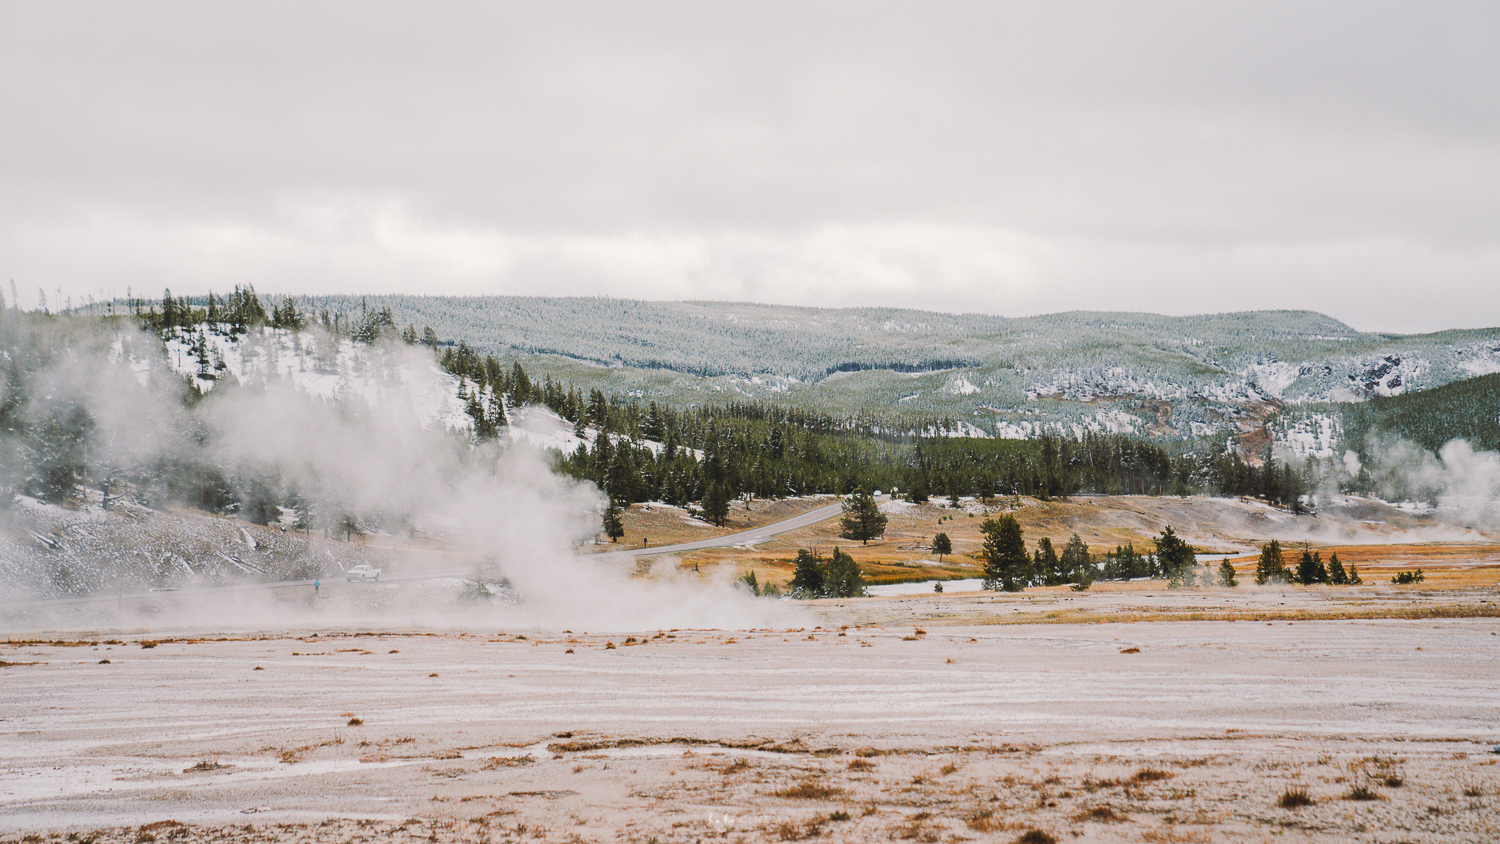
(1216,527)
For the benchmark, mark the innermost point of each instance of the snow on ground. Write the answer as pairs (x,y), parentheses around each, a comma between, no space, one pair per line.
(1317,435)
(396,377)
(542,428)
(961,386)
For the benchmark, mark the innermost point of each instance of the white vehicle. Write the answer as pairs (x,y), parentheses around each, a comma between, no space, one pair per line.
(361,572)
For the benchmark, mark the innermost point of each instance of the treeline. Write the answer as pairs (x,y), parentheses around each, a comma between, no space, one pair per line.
(645,451)
(242,309)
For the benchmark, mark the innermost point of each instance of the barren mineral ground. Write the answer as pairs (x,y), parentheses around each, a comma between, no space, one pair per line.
(1125,713)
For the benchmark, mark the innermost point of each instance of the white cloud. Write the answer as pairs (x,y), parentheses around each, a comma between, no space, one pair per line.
(1169,156)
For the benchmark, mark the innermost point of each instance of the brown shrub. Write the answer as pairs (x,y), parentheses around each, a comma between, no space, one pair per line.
(810,789)
(1294,798)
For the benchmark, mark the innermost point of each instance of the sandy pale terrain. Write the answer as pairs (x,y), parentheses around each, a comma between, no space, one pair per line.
(913,719)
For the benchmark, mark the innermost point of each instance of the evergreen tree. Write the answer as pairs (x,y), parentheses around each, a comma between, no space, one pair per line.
(807,579)
(1006,563)
(1175,557)
(205,365)
(1310,568)
(918,493)
(1336,573)
(1046,564)
(614,526)
(716,504)
(749,583)
(862,517)
(598,407)
(1076,565)
(1226,574)
(55,450)
(1270,568)
(842,578)
(1354,578)
(941,545)
(1126,564)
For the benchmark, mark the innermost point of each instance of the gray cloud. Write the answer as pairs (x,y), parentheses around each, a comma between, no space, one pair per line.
(1169,157)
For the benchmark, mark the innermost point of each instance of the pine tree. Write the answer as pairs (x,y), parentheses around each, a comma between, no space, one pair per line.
(1310,568)
(807,579)
(1270,568)
(1354,578)
(1046,564)
(1076,565)
(1006,563)
(1226,574)
(862,517)
(1176,558)
(842,578)
(716,504)
(1336,574)
(941,545)
(614,526)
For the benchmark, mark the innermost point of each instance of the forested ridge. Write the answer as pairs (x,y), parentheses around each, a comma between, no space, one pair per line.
(1161,377)
(645,451)
(641,448)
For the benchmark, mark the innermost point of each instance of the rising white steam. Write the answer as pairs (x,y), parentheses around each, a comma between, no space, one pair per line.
(375,461)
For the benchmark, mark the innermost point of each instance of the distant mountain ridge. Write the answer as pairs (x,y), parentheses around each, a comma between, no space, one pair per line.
(1163,376)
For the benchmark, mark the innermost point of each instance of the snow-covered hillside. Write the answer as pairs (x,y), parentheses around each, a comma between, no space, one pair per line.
(1064,373)
(392,377)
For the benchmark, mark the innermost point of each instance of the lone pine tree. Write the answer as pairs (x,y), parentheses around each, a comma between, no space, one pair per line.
(1007,566)
(862,517)
(941,545)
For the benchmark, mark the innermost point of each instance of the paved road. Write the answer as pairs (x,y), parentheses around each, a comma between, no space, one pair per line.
(748,537)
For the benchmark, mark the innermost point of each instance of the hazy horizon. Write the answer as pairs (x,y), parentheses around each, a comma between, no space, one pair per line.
(1169,157)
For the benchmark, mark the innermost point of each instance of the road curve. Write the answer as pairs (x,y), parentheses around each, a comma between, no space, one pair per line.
(747,537)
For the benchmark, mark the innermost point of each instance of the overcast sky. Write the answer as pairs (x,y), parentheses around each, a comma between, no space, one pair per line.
(994,157)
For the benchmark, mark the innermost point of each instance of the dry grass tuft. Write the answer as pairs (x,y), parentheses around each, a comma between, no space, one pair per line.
(810,789)
(1035,836)
(494,762)
(1294,798)
(1151,775)
(735,767)
(917,828)
(792,831)
(1101,814)
(1361,792)
(983,820)
(861,765)
(356,722)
